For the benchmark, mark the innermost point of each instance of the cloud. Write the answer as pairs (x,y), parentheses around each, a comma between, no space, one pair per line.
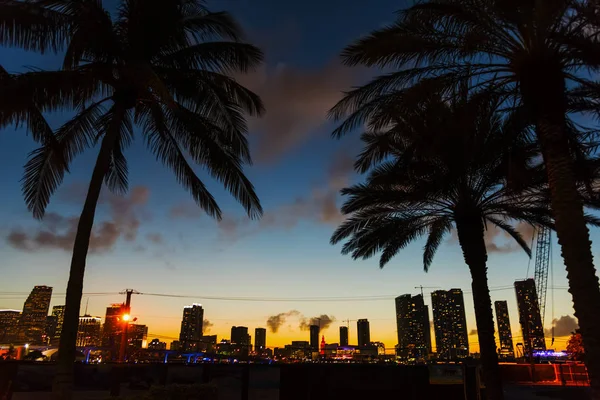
(323,321)
(297,102)
(206,326)
(185,210)
(319,206)
(58,232)
(274,322)
(155,238)
(473,332)
(563,326)
(498,241)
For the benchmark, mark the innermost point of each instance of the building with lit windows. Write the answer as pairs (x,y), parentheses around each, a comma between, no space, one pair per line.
(58,312)
(364,332)
(529,316)
(240,340)
(191,327)
(506,349)
(450,324)
(156,344)
(260,340)
(137,336)
(9,325)
(412,324)
(33,323)
(112,332)
(89,332)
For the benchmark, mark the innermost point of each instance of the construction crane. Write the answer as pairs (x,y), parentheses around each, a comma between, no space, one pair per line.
(542,266)
(426,287)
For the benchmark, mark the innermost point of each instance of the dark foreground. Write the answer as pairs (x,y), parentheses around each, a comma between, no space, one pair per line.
(285,382)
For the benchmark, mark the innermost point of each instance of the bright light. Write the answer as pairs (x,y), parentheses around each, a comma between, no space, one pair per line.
(26,345)
(126,317)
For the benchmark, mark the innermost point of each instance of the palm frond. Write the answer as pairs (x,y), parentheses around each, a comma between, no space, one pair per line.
(222,57)
(208,145)
(45,169)
(437,230)
(32,26)
(166,149)
(512,232)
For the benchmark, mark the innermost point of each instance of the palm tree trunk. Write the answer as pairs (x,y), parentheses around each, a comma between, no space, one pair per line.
(471,239)
(574,239)
(63,381)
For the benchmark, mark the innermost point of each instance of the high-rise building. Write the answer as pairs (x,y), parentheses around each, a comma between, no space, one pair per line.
(343,336)
(191,327)
(529,315)
(50,330)
(364,332)
(450,324)
(32,327)
(240,340)
(112,333)
(506,349)
(314,337)
(89,331)
(412,323)
(137,336)
(260,339)
(156,344)
(9,325)
(239,335)
(59,313)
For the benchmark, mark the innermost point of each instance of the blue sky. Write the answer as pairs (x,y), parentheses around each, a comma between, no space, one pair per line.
(164,245)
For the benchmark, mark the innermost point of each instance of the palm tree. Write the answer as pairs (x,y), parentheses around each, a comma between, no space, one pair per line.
(162,66)
(439,167)
(530,53)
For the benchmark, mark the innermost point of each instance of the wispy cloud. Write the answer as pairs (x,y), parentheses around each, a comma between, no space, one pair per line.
(57,231)
(317,206)
(274,322)
(297,103)
(563,326)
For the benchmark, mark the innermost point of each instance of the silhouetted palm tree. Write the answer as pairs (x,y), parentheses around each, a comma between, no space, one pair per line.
(527,51)
(162,66)
(444,166)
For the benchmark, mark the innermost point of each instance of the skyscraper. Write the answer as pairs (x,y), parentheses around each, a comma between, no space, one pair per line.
(112,333)
(59,313)
(450,324)
(240,339)
(191,327)
(412,322)
(504,331)
(32,327)
(364,332)
(239,335)
(529,315)
(50,329)
(137,336)
(343,336)
(314,337)
(89,331)
(260,339)
(9,325)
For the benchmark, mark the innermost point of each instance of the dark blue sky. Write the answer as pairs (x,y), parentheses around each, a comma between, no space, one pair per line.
(164,245)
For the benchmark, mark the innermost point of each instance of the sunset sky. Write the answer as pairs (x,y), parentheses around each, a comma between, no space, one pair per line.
(155,240)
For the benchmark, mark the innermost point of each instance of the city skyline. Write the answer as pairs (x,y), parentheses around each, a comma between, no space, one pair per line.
(163,244)
(115,310)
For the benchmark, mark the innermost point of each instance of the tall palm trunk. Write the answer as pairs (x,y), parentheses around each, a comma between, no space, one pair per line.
(63,381)
(574,239)
(471,239)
